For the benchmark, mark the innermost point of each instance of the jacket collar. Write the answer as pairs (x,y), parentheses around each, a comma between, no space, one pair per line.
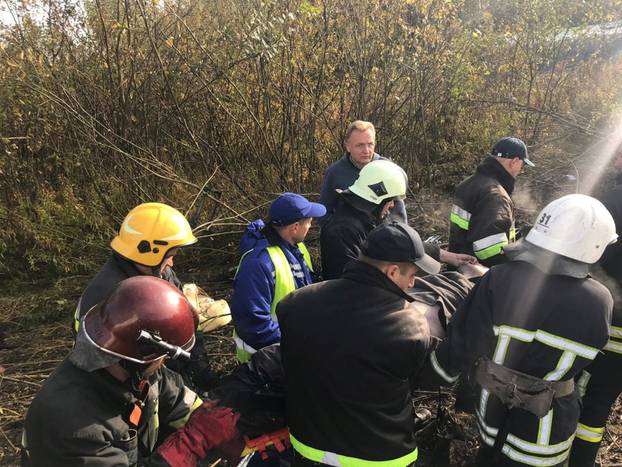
(107,385)
(274,239)
(364,273)
(348,158)
(491,168)
(127,266)
(362,209)
(546,261)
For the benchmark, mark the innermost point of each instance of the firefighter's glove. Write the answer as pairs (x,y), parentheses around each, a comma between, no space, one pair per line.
(209,427)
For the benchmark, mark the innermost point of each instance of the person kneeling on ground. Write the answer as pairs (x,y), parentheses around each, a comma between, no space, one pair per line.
(148,240)
(274,262)
(351,350)
(112,402)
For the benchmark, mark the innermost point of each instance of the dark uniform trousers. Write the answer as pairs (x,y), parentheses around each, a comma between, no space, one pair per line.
(601,384)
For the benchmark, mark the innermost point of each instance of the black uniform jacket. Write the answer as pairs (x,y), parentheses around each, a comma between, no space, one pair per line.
(611,261)
(114,271)
(352,349)
(547,326)
(482,218)
(82,418)
(342,235)
(345,231)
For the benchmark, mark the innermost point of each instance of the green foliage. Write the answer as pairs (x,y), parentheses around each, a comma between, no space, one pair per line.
(214,107)
(57,234)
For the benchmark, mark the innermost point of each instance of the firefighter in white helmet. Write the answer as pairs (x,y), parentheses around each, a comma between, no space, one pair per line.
(527,329)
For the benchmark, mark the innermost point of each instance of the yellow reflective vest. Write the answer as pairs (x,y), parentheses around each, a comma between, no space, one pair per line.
(284,284)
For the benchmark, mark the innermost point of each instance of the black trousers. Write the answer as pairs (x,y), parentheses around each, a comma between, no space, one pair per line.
(603,388)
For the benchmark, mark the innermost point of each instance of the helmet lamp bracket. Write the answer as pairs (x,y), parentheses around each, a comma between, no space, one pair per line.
(172,351)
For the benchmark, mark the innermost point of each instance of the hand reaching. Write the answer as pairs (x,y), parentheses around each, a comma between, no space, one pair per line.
(456,259)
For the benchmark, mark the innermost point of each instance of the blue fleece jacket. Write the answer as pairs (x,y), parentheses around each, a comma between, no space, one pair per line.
(254,286)
(341,175)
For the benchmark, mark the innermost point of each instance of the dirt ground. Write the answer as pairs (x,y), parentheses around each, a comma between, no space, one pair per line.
(35,336)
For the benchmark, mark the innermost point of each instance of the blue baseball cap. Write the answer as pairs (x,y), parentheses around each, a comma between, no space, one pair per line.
(511,147)
(291,207)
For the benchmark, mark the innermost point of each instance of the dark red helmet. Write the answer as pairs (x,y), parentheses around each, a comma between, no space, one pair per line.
(143,319)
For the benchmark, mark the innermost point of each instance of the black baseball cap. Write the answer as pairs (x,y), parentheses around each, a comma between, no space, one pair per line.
(511,147)
(400,243)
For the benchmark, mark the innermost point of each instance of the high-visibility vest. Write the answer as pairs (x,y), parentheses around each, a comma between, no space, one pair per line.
(284,284)
(340,460)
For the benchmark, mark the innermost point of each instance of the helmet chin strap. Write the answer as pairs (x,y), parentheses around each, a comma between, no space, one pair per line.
(377,212)
(136,372)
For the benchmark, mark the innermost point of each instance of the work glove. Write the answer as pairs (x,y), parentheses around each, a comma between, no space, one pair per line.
(209,427)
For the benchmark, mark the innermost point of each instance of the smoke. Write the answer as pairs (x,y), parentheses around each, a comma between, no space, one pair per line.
(600,157)
(526,202)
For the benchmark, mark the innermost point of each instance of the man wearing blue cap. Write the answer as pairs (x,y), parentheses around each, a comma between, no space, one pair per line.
(274,263)
(482,216)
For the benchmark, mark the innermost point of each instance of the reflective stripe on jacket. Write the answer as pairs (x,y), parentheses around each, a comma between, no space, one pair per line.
(352,349)
(339,460)
(83,418)
(482,217)
(600,384)
(537,324)
(284,283)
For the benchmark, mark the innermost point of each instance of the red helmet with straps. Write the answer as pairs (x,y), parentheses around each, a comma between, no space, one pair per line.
(143,319)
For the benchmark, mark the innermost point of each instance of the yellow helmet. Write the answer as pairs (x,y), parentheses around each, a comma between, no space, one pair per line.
(149,231)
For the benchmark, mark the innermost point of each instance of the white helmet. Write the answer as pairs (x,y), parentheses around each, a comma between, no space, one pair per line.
(575,226)
(379,180)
